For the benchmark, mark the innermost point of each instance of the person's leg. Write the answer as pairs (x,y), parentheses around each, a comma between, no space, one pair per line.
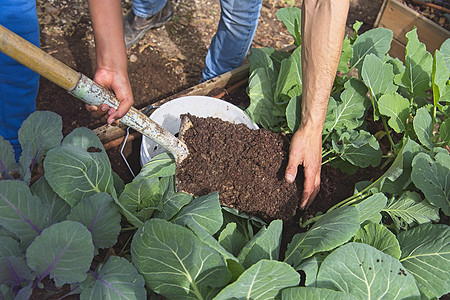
(146,14)
(230,44)
(18,84)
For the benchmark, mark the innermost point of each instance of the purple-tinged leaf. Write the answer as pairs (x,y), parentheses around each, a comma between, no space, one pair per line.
(14,271)
(101,217)
(116,279)
(7,161)
(64,251)
(20,212)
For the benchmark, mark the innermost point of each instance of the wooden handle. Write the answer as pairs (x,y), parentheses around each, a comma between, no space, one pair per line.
(37,60)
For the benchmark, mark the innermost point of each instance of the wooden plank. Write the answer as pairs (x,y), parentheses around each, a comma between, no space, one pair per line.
(401,19)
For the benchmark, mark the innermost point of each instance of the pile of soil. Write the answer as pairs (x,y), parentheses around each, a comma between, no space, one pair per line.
(245,166)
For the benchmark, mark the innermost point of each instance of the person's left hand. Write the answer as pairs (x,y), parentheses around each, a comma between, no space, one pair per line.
(119,83)
(306,150)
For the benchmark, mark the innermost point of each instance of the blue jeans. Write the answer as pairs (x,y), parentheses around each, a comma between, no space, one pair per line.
(230,44)
(18,84)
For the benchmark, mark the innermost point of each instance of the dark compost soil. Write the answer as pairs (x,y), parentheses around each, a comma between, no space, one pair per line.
(245,166)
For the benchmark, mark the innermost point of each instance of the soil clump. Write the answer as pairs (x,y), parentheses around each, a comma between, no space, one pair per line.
(245,166)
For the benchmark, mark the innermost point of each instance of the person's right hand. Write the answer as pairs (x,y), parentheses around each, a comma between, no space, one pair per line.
(119,83)
(306,150)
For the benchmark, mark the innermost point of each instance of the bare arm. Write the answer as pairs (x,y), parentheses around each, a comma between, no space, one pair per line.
(111,55)
(323,29)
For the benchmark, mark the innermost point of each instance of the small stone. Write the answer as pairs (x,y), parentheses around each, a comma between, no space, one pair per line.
(133,58)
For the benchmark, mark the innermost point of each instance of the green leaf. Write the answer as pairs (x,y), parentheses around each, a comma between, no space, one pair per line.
(330,231)
(444,131)
(423,126)
(162,165)
(171,202)
(6,292)
(41,131)
(9,247)
(416,77)
(119,185)
(394,106)
(311,267)
(263,280)
(142,197)
(204,210)
(445,50)
(209,240)
(231,239)
(379,237)
(360,149)
(426,255)
(7,160)
(379,78)
(58,208)
(261,89)
(313,293)
(261,99)
(75,173)
(84,138)
(398,176)
(396,63)
(370,208)
(410,208)
(348,113)
(346,55)
(439,77)
(101,217)
(115,279)
(366,273)
(293,113)
(20,212)
(175,263)
(61,247)
(376,41)
(289,81)
(292,19)
(432,177)
(264,245)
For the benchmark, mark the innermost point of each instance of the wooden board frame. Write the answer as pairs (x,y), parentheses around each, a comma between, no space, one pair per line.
(401,19)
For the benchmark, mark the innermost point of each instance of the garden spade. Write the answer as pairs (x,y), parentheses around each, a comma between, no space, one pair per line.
(86,89)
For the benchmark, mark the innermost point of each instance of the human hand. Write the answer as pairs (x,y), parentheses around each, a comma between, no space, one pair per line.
(306,150)
(120,85)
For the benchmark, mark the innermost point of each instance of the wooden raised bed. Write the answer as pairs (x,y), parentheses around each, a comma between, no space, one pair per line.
(401,19)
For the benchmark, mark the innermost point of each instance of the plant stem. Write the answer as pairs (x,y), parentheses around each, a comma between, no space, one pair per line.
(388,134)
(330,159)
(326,153)
(346,202)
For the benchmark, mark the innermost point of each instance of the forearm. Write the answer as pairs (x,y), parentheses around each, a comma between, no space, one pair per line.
(323,29)
(106,16)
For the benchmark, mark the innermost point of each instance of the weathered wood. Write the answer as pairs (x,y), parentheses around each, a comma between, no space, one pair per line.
(401,19)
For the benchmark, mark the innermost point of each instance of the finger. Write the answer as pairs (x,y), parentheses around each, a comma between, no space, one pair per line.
(311,185)
(315,192)
(292,167)
(91,108)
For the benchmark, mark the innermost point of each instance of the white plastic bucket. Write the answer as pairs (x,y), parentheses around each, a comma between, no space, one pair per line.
(168,116)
